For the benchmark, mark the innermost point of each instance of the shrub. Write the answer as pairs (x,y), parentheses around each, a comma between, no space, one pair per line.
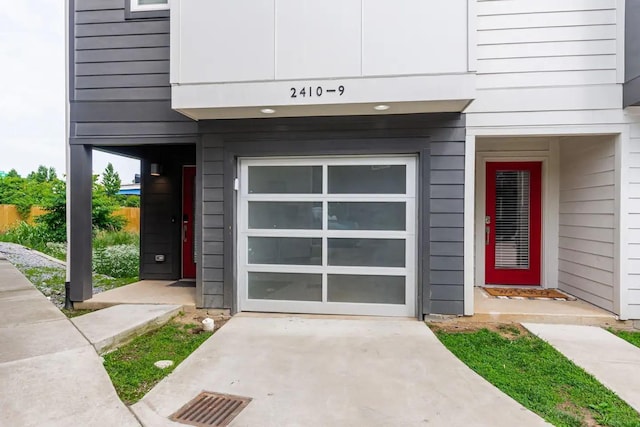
(56,250)
(102,239)
(117,261)
(33,236)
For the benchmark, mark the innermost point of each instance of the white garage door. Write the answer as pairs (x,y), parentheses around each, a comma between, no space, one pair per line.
(327,235)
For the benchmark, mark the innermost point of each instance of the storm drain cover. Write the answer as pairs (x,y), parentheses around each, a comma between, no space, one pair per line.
(211,409)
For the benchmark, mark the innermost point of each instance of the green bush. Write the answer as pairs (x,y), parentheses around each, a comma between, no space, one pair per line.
(102,207)
(33,236)
(117,261)
(102,239)
(56,250)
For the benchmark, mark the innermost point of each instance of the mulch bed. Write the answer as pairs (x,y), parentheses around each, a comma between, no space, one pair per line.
(520,293)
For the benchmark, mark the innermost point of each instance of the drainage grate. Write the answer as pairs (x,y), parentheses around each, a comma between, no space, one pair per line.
(211,409)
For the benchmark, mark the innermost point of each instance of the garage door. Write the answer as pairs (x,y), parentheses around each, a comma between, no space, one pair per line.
(327,235)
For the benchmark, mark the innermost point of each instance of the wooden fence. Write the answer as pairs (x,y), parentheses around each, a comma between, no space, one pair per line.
(9,217)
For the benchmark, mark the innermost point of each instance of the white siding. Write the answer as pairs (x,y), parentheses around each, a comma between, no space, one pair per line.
(546,63)
(587,219)
(632,280)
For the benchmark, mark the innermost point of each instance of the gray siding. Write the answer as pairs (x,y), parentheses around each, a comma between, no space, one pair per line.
(442,234)
(632,53)
(119,88)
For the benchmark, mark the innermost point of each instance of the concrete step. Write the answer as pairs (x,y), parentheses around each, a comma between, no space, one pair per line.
(114,326)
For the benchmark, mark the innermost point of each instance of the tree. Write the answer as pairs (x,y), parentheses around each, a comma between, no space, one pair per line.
(13,174)
(41,175)
(111,181)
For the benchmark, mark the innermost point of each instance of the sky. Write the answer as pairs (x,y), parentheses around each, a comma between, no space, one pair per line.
(32,101)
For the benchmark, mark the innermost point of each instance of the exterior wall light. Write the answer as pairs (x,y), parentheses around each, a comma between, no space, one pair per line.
(156,169)
(381,107)
(267,111)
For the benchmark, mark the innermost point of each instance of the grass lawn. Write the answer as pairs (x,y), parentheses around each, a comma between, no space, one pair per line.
(538,377)
(131,367)
(631,336)
(50,281)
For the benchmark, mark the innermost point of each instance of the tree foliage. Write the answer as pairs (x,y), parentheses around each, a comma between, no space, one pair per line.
(111,181)
(43,188)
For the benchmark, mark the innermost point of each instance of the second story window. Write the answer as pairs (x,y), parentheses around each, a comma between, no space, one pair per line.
(145,5)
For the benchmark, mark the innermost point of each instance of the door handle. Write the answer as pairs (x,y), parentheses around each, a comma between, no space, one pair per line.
(184,232)
(487,230)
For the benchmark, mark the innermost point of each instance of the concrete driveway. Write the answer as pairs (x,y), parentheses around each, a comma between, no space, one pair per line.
(315,371)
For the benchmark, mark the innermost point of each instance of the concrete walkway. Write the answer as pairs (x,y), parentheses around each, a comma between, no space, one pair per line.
(49,373)
(613,361)
(306,371)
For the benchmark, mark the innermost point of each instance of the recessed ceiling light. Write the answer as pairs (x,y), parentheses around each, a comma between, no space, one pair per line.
(268,111)
(381,107)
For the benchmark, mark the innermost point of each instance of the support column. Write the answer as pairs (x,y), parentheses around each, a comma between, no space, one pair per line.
(79,187)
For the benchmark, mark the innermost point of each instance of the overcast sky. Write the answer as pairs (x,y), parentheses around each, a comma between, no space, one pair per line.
(32,104)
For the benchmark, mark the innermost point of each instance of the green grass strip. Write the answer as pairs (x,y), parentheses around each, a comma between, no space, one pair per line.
(632,337)
(131,367)
(540,378)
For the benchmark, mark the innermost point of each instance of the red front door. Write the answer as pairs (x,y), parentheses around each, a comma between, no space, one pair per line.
(513,223)
(188,210)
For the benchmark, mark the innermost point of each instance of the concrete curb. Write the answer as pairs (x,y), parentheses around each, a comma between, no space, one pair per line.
(115,326)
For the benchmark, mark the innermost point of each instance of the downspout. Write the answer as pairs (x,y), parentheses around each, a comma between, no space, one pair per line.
(67,31)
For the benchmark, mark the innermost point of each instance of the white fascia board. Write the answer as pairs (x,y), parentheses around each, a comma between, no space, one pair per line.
(217,100)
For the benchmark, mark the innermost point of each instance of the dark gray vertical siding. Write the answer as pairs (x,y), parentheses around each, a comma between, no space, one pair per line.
(120,92)
(120,101)
(632,53)
(446,233)
(212,223)
(442,279)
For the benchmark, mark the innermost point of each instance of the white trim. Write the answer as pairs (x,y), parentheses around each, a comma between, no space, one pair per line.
(620,41)
(472,36)
(137,7)
(469,225)
(174,42)
(323,269)
(620,235)
(549,241)
(67,132)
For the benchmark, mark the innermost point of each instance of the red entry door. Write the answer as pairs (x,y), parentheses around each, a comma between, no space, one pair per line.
(513,223)
(188,211)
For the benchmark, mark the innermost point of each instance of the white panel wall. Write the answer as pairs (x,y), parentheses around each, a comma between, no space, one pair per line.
(587,219)
(546,63)
(318,39)
(414,37)
(216,41)
(227,40)
(633,222)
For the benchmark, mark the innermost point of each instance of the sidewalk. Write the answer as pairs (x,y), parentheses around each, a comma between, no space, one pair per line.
(611,360)
(49,373)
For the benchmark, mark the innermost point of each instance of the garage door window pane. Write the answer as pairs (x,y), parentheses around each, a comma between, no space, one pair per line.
(285,215)
(285,250)
(367,252)
(285,286)
(285,179)
(367,216)
(369,179)
(366,289)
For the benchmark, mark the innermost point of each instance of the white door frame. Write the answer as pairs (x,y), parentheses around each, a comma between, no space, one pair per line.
(550,210)
(410,235)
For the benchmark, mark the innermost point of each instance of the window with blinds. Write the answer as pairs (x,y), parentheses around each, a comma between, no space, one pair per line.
(512,222)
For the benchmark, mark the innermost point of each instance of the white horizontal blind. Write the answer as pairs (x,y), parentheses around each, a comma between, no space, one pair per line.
(512,220)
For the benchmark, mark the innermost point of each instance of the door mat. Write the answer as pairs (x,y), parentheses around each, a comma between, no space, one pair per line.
(524,293)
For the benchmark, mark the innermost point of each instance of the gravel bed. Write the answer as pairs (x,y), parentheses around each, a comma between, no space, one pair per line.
(19,255)
(46,275)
